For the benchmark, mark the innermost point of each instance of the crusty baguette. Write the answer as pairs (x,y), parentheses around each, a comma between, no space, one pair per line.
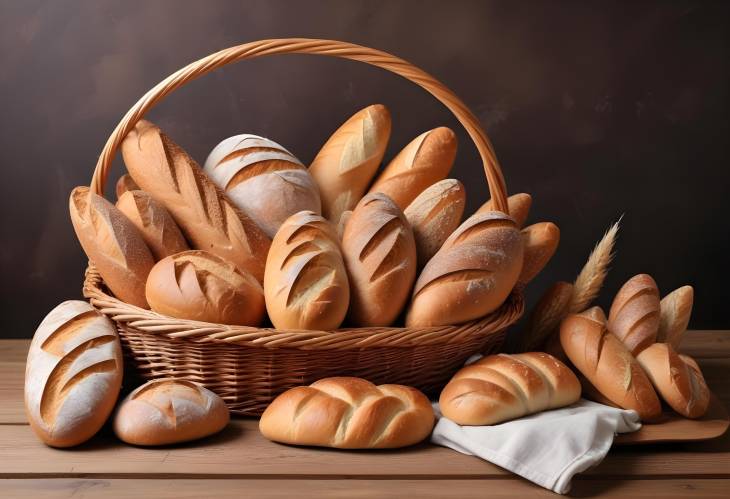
(541,241)
(426,160)
(73,374)
(124,184)
(675,311)
(518,205)
(305,284)
(380,257)
(434,215)
(634,314)
(471,275)
(158,229)
(347,162)
(113,244)
(169,411)
(263,179)
(501,387)
(348,413)
(207,218)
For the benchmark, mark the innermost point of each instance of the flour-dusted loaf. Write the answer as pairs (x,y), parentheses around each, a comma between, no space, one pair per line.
(434,215)
(471,275)
(608,364)
(73,374)
(263,179)
(124,184)
(201,286)
(205,215)
(348,413)
(518,205)
(169,411)
(158,229)
(501,387)
(423,162)
(113,244)
(305,284)
(347,162)
(541,240)
(675,311)
(380,257)
(634,314)
(677,378)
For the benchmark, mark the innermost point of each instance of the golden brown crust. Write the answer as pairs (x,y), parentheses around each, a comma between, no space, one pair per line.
(634,314)
(675,311)
(124,184)
(518,205)
(541,241)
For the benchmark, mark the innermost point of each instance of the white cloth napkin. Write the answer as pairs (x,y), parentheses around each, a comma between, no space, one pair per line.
(547,448)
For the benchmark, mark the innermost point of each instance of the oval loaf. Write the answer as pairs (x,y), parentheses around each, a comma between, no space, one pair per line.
(634,314)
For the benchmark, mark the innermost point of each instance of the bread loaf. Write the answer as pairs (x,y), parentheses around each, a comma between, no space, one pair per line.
(423,162)
(606,362)
(73,374)
(434,215)
(540,240)
(168,411)
(124,184)
(677,378)
(546,316)
(634,314)
(347,162)
(501,387)
(675,311)
(518,205)
(200,286)
(306,284)
(348,413)
(380,257)
(263,179)
(344,218)
(207,218)
(471,275)
(113,244)
(158,229)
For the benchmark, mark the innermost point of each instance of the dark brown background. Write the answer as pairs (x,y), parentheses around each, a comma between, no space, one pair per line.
(596,108)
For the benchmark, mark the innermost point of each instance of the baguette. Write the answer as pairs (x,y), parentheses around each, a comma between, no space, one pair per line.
(518,205)
(124,184)
(675,311)
(541,240)
(634,314)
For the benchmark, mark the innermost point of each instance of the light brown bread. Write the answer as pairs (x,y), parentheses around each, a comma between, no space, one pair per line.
(169,411)
(501,387)
(423,162)
(344,218)
(675,311)
(434,215)
(113,244)
(546,316)
(305,284)
(158,229)
(380,257)
(606,362)
(124,184)
(207,218)
(677,378)
(471,275)
(201,286)
(634,314)
(347,162)
(72,375)
(263,179)
(518,205)
(541,241)
(348,413)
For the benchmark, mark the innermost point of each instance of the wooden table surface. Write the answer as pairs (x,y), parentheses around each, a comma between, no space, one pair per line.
(240,463)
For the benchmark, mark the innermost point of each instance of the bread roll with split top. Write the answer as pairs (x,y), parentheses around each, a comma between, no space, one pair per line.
(541,241)
(634,314)
(675,311)
(517,204)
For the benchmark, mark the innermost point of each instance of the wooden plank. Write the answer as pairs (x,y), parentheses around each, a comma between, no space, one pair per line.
(706,344)
(14,350)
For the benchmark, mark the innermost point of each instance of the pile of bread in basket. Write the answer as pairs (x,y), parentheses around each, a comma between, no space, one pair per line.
(255,236)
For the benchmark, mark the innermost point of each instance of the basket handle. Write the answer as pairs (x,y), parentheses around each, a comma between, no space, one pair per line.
(495,179)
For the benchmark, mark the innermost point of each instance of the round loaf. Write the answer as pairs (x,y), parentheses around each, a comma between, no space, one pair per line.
(263,179)
(169,411)
(634,314)
(200,286)
(305,283)
(541,240)
(518,205)
(124,184)
(675,311)
(73,374)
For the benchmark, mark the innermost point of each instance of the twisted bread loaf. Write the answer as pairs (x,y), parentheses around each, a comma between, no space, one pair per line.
(634,314)
(348,413)
(501,387)
(518,205)
(676,309)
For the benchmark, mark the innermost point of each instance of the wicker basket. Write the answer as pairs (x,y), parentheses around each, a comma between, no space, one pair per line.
(249,366)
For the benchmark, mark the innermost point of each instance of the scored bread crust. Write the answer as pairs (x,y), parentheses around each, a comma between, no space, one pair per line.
(675,311)
(518,205)
(634,313)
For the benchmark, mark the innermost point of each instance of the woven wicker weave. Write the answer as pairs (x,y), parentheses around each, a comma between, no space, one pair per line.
(249,366)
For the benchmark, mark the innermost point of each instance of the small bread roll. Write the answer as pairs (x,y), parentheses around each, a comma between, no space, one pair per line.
(677,378)
(113,244)
(426,160)
(158,229)
(169,411)
(634,314)
(541,241)
(380,256)
(471,275)
(518,205)
(73,374)
(305,283)
(200,286)
(124,184)
(675,311)
(347,162)
(263,179)
(434,215)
